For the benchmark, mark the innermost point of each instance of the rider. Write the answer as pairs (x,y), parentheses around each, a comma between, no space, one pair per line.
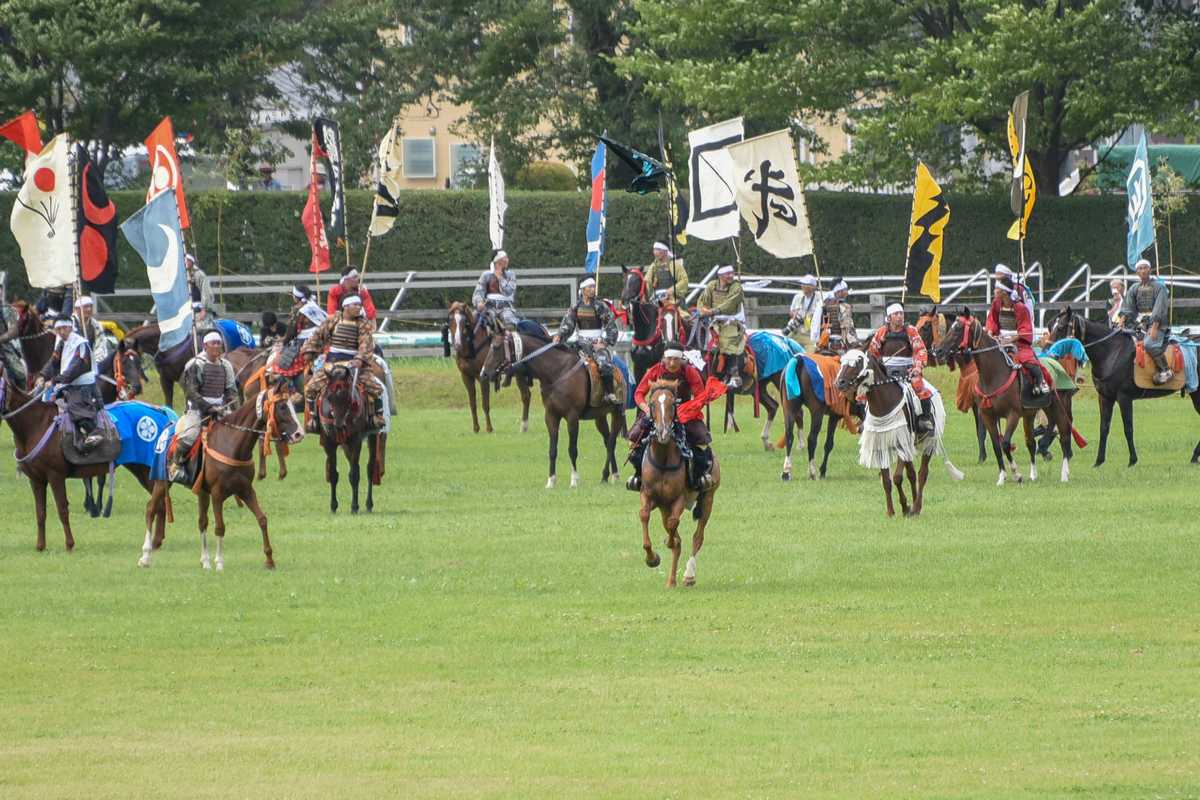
(350,285)
(1010,321)
(908,362)
(210,386)
(667,275)
(496,291)
(203,322)
(1006,278)
(306,315)
(672,368)
(76,375)
(93,331)
(804,326)
(722,300)
(270,330)
(1146,303)
(837,320)
(595,328)
(351,338)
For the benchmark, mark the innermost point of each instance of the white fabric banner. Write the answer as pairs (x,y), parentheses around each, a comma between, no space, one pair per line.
(496,204)
(711,180)
(770,195)
(43,218)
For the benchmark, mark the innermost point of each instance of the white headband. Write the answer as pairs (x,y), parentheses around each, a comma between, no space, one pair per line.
(213,336)
(808,280)
(499,255)
(586,282)
(352,300)
(672,354)
(893,308)
(84,301)
(296,293)
(349,276)
(1001,269)
(663,247)
(725,270)
(840,286)
(1140,262)
(197,306)
(63,322)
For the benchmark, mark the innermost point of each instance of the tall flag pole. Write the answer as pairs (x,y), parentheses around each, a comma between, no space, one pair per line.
(597,213)
(1017,190)
(313,220)
(330,138)
(385,208)
(1140,209)
(497,205)
(926,235)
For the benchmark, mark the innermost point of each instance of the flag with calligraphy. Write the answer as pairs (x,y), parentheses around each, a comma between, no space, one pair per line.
(597,211)
(387,188)
(1140,211)
(714,213)
(43,217)
(497,205)
(769,194)
(927,227)
(312,218)
(164,168)
(96,227)
(23,131)
(330,139)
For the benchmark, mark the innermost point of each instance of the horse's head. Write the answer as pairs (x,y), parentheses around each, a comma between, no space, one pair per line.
(661,401)
(459,328)
(855,370)
(28,321)
(499,356)
(274,408)
(128,371)
(631,291)
(1067,324)
(959,338)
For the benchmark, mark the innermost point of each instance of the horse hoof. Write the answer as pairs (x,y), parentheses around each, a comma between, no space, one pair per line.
(205,565)
(143,562)
(786,476)
(269,564)
(220,566)
(353,509)
(653,561)
(1133,462)
(689,581)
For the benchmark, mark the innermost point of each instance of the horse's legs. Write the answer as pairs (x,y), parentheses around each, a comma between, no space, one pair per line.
(59,486)
(885,477)
(911,472)
(730,419)
(372,468)
(980,432)
(1196,405)
(670,518)
(1106,410)
(279,455)
(689,571)
(486,391)
(262,464)
(1030,443)
(1126,404)
(353,450)
(993,428)
(89,502)
(772,407)
(251,499)
(202,502)
(789,438)
(573,448)
(39,510)
(1063,422)
(1010,427)
(154,511)
(829,431)
(922,476)
(168,389)
(607,434)
(218,507)
(898,482)
(469,381)
(523,388)
(652,559)
(814,436)
(552,423)
(331,474)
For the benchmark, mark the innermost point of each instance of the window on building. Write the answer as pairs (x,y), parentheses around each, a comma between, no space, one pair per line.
(420,159)
(466,165)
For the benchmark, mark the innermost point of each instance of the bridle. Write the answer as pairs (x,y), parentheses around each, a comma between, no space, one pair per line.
(1077,329)
(348,381)
(664,398)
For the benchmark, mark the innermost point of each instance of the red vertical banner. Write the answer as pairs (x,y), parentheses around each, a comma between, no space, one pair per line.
(312,218)
(164,168)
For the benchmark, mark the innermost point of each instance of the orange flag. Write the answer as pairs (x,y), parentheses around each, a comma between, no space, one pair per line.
(24,131)
(164,167)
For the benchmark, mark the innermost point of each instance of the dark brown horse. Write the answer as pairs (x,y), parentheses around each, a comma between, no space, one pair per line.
(566,392)
(999,393)
(653,325)
(228,470)
(931,325)
(665,485)
(344,414)
(37,341)
(469,345)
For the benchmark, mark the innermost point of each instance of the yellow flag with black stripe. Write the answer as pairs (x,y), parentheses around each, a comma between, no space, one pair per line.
(930,213)
(1028,187)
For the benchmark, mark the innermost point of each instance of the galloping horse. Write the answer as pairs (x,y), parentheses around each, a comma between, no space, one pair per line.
(1111,352)
(931,325)
(999,393)
(665,485)
(654,325)
(565,387)
(344,415)
(470,345)
(228,470)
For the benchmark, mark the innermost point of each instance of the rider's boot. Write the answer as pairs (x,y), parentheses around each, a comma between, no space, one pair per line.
(925,419)
(606,380)
(1165,373)
(378,415)
(733,372)
(634,484)
(1037,379)
(702,464)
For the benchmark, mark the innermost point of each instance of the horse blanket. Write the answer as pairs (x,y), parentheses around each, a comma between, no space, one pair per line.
(1181,357)
(145,432)
(235,334)
(822,373)
(772,352)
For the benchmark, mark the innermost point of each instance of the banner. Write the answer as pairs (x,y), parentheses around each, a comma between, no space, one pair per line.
(598,211)
(769,195)
(930,213)
(96,226)
(330,140)
(648,172)
(711,177)
(312,218)
(1016,143)
(155,234)
(1140,211)
(23,130)
(497,206)
(1020,226)
(387,188)
(164,168)
(43,218)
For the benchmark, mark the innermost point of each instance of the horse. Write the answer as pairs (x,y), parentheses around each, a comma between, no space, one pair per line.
(469,345)
(999,394)
(665,485)
(343,415)
(258,381)
(37,341)
(752,383)
(793,418)
(1111,352)
(654,324)
(228,470)
(888,441)
(565,388)
(119,377)
(37,434)
(931,326)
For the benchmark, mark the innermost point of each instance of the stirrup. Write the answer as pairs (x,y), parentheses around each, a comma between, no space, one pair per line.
(1164,376)
(705,482)
(634,484)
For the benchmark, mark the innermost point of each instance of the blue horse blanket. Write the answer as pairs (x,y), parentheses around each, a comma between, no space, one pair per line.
(772,352)
(145,432)
(1191,376)
(629,384)
(1066,347)
(814,374)
(235,333)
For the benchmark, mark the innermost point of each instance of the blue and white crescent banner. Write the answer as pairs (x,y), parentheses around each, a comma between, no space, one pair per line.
(597,212)
(154,233)
(1140,212)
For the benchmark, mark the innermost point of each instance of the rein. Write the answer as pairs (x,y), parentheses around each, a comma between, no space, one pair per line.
(661,467)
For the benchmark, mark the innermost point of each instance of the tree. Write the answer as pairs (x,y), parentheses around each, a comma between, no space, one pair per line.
(911,76)
(108,70)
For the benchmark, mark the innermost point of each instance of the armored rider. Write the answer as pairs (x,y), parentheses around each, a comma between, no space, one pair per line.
(908,362)
(496,292)
(837,320)
(1146,303)
(71,367)
(92,330)
(595,329)
(723,301)
(350,337)
(1010,321)
(350,284)
(667,276)
(804,324)
(210,386)
(11,359)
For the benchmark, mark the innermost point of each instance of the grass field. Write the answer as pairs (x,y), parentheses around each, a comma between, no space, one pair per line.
(481,636)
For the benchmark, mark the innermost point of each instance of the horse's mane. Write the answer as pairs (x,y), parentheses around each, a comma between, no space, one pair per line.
(29,319)
(458,306)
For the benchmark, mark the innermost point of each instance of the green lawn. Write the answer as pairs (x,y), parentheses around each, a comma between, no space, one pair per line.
(481,636)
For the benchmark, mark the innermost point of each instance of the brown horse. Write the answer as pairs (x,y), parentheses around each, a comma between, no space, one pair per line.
(37,341)
(228,470)
(258,381)
(793,419)
(931,325)
(999,393)
(470,346)
(565,389)
(665,485)
(343,413)
(38,440)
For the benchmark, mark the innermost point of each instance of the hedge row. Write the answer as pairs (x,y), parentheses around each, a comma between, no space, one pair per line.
(855,234)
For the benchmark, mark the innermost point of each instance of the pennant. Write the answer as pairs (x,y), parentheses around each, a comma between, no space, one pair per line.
(43,220)
(96,226)
(710,169)
(387,188)
(650,172)
(769,194)
(330,139)
(678,209)
(930,213)
(165,172)
(311,218)
(155,234)
(1140,209)
(1016,143)
(497,206)
(597,211)
(23,130)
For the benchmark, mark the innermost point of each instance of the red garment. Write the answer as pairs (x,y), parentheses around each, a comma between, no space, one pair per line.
(690,386)
(334,303)
(920,356)
(1024,340)
(694,409)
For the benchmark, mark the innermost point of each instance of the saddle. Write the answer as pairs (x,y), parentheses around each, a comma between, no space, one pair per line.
(1028,398)
(193,466)
(596,385)
(103,453)
(750,362)
(1144,368)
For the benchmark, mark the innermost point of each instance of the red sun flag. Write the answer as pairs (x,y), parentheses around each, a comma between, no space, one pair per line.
(164,168)
(24,131)
(97,227)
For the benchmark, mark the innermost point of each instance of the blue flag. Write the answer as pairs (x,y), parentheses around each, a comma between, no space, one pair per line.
(154,233)
(1141,210)
(597,212)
